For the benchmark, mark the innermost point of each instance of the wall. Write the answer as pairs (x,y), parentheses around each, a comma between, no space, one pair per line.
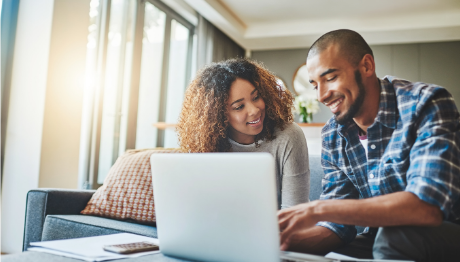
(9,19)
(437,63)
(43,133)
(25,116)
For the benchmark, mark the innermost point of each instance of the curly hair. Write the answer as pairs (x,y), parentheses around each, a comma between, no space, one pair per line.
(203,121)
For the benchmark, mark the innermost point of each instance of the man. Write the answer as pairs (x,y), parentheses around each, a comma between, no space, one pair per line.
(391,160)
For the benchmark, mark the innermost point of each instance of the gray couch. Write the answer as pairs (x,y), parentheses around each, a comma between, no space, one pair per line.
(53,214)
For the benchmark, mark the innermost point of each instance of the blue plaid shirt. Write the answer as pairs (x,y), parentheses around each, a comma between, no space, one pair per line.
(412,146)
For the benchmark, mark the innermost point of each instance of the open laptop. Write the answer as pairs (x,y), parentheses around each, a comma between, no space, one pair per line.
(218,207)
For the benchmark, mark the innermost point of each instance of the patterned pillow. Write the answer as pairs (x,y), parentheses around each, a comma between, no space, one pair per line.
(127,192)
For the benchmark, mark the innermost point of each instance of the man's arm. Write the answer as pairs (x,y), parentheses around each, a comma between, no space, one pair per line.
(336,185)
(401,208)
(432,181)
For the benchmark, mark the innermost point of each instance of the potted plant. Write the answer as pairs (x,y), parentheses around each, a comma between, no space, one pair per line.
(306,106)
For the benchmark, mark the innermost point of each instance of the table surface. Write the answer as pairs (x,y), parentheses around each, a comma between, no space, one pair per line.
(31,256)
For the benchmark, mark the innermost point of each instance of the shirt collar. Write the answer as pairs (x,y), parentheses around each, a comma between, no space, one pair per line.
(388,111)
(387,114)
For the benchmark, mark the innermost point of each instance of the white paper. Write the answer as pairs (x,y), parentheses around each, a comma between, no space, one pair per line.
(303,257)
(91,248)
(338,256)
(90,259)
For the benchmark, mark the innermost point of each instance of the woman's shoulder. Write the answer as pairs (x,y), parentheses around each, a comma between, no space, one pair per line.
(291,139)
(289,130)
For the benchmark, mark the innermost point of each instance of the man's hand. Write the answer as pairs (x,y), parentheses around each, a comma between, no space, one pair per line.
(295,222)
(300,233)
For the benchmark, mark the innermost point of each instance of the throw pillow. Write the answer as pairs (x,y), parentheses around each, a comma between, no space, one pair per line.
(127,192)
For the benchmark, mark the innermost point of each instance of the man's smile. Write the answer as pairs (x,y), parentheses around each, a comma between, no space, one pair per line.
(334,105)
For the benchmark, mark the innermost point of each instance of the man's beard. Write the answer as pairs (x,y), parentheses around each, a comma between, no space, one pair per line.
(356,106)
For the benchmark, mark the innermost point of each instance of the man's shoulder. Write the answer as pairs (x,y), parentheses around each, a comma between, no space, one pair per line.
(412,97)
(406,90)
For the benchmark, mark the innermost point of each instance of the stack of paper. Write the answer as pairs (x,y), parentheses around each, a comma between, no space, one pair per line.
(91,248)
(330,257)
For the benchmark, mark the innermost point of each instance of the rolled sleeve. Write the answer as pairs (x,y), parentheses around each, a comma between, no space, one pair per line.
(431,193)
(344,232)
(434,174)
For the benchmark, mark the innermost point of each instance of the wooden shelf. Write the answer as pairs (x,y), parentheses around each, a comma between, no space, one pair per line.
(311,124)
(163,125)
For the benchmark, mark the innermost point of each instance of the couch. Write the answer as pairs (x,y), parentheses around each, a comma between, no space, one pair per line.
(53,214)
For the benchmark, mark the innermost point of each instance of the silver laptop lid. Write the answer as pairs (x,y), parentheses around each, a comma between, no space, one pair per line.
(216,206)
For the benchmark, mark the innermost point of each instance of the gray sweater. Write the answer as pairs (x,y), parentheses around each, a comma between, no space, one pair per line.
(289,149)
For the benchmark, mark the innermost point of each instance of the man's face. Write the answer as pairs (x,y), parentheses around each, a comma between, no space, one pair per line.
(338,83)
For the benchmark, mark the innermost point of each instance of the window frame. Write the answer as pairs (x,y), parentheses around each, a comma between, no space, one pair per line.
(92,165)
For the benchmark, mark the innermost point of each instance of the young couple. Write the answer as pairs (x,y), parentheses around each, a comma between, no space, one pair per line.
(390,152)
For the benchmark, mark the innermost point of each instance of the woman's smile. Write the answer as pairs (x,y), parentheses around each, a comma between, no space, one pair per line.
(246,112)
(255,123)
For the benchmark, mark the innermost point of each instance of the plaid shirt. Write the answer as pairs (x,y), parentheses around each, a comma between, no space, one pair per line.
(412,146)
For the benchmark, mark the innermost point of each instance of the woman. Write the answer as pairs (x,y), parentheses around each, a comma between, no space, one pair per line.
(237,106)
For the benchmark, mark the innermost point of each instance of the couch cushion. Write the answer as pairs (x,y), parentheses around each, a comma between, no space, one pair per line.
(127,192)
(316,175)
(75,226)
(42,202)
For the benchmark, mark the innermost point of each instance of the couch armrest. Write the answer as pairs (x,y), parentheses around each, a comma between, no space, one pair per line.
(43,202)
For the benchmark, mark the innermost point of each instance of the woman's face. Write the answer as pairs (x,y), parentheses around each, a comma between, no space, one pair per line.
(246,111)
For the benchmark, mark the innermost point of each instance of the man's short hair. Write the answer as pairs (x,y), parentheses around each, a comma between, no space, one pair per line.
(351,45)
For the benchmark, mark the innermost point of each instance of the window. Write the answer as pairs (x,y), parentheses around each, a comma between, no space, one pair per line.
(142,53)
(151,76)
(119,58)
(177,78)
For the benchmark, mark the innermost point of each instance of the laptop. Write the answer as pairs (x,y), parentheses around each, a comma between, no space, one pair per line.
(218,207)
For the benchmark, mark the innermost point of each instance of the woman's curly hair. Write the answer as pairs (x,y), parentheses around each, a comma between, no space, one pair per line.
(203,121)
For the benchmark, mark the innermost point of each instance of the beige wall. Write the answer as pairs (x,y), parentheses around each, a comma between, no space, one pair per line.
(437,63)
(64,95)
